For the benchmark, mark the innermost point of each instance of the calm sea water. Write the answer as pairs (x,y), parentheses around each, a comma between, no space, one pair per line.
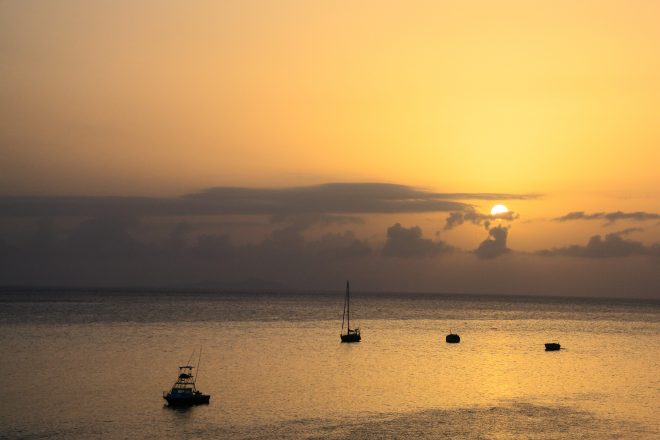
(82,365)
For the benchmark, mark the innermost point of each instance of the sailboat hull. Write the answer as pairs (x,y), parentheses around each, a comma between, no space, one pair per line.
(351,337)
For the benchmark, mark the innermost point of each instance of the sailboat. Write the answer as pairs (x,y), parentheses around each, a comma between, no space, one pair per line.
(184,392)
(351,335)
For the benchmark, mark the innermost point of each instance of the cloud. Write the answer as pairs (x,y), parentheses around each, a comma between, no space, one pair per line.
(302,222)
(609,217)
(629,231)
(104,237)
(458,218)
(211,246)
(408,242)
(339,245)
(282,245)
(330,198)
(179,237)
(612,246)
(495,244)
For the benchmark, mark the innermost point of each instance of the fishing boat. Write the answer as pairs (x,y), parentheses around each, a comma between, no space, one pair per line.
(351,335)
(184,391)
(552,346)
(452,338)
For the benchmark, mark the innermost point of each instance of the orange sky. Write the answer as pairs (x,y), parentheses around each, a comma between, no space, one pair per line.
(114,97)
(163,98)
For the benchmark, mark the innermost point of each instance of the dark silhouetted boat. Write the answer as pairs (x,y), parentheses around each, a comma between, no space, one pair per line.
(351,335)
(184,392)
(452,338)
(552,346)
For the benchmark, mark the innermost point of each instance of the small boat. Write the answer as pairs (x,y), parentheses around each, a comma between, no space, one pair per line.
(452,338)
(552,346)
(184,392)
(351,335)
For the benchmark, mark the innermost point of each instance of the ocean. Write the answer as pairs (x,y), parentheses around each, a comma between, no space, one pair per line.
(81,364)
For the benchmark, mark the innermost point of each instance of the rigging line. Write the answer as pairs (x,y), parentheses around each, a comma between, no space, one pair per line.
(199,359)
(191,356)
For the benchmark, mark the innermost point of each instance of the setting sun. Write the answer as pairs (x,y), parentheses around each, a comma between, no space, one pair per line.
(498,209)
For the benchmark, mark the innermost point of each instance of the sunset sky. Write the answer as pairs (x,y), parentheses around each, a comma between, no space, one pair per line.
(294,144)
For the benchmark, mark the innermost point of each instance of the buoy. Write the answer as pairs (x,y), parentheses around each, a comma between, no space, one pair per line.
(453,338)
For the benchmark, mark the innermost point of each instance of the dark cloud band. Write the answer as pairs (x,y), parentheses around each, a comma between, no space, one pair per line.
(611,246)
(609,217)
(331,198)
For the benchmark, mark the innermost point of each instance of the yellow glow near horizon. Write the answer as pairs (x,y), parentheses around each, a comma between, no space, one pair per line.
(498,209)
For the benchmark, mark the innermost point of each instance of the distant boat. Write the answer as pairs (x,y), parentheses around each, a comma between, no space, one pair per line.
(351,335)
(452,338)
(552,346)
(184,392)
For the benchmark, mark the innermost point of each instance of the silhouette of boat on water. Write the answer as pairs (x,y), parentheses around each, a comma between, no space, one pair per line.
(351,335)
(184,391)
(452,338)
(552,346)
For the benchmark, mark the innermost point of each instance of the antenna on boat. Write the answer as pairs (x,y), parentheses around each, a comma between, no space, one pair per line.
(191,356)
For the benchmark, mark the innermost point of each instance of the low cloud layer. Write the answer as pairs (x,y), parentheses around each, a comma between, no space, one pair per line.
(122,251)
(307,237)
(611,246)
(495,245)
(408,243)
(609,217)
(125,251)
(331,198)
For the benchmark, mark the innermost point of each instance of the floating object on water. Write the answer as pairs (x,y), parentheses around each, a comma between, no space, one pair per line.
(184,392)
(351,335)
(452,338)
(552,346)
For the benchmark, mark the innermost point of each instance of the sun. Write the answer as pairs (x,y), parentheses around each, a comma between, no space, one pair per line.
(498,209)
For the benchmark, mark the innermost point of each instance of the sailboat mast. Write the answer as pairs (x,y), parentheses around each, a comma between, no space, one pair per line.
(343,316)
(348,306)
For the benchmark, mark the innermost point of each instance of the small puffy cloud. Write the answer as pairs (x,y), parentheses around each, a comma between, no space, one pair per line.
(609,217)
(408,243)
(495,244)
(611,246)
(459,217)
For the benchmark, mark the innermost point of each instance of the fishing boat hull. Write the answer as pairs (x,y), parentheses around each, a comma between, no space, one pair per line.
(453,338)
(552,346)
(195,399)
(351,337)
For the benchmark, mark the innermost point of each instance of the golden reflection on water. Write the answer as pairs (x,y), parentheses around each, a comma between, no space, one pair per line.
(273,372)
